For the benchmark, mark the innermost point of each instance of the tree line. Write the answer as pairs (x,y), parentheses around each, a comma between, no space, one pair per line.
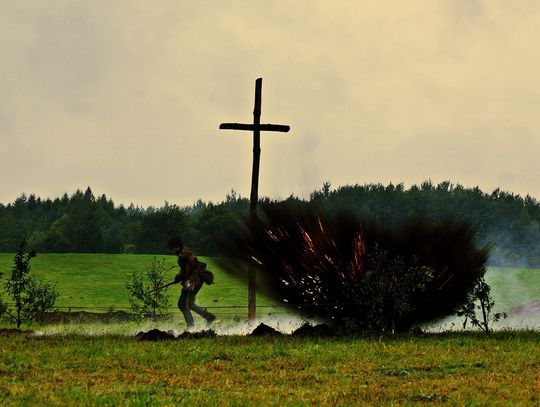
(84,223)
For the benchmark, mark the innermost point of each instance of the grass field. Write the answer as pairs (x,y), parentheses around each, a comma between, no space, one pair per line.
(104,364)
(513,286)
(451,369)
(96,283)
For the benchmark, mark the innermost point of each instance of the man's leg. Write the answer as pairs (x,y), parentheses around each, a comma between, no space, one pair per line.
(202,312)
(184,306)
(199,310)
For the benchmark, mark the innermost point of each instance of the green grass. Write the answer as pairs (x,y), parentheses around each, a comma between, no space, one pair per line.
(96,282)
(450,369)
(93,367)
(513,286)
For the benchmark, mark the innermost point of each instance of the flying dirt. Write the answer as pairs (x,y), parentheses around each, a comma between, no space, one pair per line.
(358,274)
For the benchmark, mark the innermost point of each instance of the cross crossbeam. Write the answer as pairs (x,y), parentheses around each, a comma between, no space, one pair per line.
(252,127)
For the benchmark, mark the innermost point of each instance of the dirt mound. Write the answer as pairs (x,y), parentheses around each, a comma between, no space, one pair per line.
(529,309)
(263,330)
(155,335)
(158,335)
(308,330)
(197,335)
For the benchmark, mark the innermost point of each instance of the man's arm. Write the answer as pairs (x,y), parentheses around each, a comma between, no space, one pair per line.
(163,286)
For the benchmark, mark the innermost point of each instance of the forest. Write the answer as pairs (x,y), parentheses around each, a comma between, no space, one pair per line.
(84,223)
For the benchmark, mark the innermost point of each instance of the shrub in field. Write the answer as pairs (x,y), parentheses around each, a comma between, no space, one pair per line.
(360,274)
(42,296)
(479,299)
(389,285)
(144,299)
(32,296)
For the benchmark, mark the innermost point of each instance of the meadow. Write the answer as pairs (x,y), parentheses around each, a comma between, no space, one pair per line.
(105,364)
(96,283)
(459,369)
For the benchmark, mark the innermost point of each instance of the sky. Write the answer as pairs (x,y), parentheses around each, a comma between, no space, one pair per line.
(127,97)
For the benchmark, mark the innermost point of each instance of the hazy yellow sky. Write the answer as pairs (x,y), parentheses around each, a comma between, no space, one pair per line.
(127,96)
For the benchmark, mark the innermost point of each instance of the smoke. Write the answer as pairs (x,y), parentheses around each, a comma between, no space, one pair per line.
(359,273)
(285,324)
(515,245)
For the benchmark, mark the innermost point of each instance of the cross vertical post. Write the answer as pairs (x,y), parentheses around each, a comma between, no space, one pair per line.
(256,151)
(256,128)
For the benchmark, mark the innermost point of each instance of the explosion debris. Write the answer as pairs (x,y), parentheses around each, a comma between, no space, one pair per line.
(263,330)
(208,333)
(307,331)
(155,335)
(359,274)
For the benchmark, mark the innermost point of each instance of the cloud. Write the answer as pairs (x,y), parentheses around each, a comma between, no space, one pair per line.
(127,97)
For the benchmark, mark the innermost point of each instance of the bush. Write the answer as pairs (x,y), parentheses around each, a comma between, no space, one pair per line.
(43,296)
(145,298)
(387,288)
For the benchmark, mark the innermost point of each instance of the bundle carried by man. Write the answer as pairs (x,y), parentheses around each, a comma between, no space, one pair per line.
(205,275)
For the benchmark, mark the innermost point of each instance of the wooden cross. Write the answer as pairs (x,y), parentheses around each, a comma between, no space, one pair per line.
(256,127)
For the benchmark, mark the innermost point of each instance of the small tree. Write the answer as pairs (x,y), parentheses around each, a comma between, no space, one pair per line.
(142,299)
(479,299)
(32,296)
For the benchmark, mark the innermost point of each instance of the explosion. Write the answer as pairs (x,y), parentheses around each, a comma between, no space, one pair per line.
(360,275)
